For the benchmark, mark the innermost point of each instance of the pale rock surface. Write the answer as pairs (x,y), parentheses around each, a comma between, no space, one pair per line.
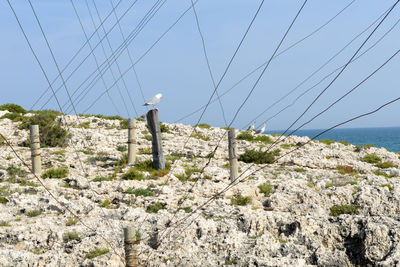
(293,226)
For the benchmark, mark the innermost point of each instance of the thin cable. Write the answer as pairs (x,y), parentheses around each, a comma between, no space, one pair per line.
(337,76)
(130,58)
(277,55)
(105,56)
(267,65)
(119,51)
(48,81)
(237,181)
(208,61)
(73,58)
(92,52)
(128,69)
(322,66)
(87,56)
(331,73)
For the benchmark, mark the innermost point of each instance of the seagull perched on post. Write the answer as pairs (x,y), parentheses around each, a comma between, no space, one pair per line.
(251,127)
(262,129)
(154,100)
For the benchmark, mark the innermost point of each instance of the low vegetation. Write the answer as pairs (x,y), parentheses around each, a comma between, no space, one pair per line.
(133,174)
(259,157)
(326,141)
(337,210)
(266,188)
(204,126)
(97,252)
(154,208)
(371,158)
(56,173)
(200,136)
(251,138)
(33,213)
(71,236)
(13,108)
(145,192)
(239,200)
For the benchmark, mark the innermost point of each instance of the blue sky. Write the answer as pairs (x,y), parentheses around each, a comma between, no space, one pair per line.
(176,66)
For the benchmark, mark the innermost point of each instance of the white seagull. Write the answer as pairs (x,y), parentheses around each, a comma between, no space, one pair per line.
(262,129)
(154,100)
(251,127)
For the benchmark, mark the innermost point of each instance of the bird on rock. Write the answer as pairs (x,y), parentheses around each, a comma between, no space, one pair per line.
(154,100)
(262,129)
(251,127)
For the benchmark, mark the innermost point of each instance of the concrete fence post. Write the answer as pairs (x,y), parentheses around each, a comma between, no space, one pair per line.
(35,149)
(233,161)
(130,244)
(131,141)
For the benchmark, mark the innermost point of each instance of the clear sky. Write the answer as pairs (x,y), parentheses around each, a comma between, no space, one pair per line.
(177,68)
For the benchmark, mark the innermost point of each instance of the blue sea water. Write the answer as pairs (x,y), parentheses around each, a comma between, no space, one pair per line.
(387,137)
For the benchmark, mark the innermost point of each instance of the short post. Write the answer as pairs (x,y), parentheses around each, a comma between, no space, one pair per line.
(154,127)
(233,162)
(35,149)
(130,247)
(131,141)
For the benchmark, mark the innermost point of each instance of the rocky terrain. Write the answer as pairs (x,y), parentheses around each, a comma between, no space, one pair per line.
(326,204)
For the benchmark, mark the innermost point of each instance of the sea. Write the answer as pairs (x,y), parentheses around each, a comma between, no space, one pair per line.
(387,137)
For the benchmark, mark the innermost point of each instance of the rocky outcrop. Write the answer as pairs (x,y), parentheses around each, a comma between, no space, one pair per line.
(325,205)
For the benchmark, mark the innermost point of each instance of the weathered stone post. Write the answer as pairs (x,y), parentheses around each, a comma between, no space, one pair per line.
(35,149)
(154,127)
(130,244)
(233,162)
(131,141)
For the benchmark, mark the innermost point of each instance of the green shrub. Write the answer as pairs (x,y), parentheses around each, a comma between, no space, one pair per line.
(13,108)
(122,148)
(326,141)
(245,136)
(389,186)
(384,174)
(204,126)
(239,200)
(266,188)
(385,165)
(366,146)
(263,139)
(13,116)
(123,124)
(133,174)
(200,136)
(337,210)
(344,143)
(154,208)
(33,213)
(4,224)
(51,132)
(186,176)
(346,170)
(145,192)
(97,252)
(56,173)
(187,209)
(15,171)
(71,221)
(287,146)
(70,236)
(259,157)
(299,170)
(148,137)
(101,179)
(3,200)
(371,158)
(164,128)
